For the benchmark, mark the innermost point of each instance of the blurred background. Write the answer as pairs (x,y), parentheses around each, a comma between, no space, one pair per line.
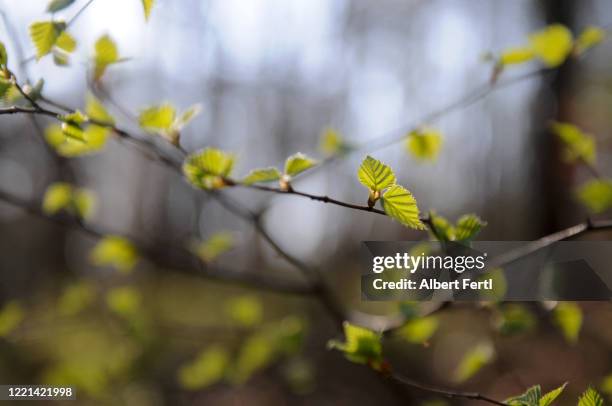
(271,76)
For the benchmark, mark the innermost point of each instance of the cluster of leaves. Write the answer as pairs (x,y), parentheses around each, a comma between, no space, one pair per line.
(361,345)
(465,229)
(64,196)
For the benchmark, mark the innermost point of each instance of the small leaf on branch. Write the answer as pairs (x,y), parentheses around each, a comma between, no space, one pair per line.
(44,35)
(514,318)
(596,195)
(568,318)
(208,168)
(531,397)
(515,56)
(57,5)
(66,42)
(579,146)
(588,38)
(116,252)
(473,361)
(3,55)
(590,398)
(157,118)
(360,345)
(548,398)
(206,369)
(147,6)
(214,246)
(424,144)
(262,175)
(375,175)
(93,140)
(245,310)
(185,118)
(11,315)
(124,301)
(418,330)
(331,143)
(298,163)
(96,110)
(105,54)
(399,204)
(58,196)
(552,45)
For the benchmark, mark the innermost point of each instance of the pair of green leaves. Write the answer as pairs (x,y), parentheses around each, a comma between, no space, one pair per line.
(165,121)
(209,168)
(361,345)
(116,252)
(397,201)
(294,165)
(63,196)
(533,397)
(52,37)
(465,229)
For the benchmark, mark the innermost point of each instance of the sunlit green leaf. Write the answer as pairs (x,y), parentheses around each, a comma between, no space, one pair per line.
(499,282)
(473,361)
(245,310)
(66,42)
(84,202)
(208,168)
(58,196)
(298,163)
(124,300)
(588,38)
(590,398)
(3,54)
(157,118)
(375,175)
(96,110)
(400,205)
(147,6)
(262,175)
(205,370)
(44,35)
(548,398)
(186,117)
(418,330)
(116,252)
(214,246)
(552,45)
(596,195)
(568,317)
(331,142)
(75,298)
(466,229)
(606,385)
(424,144)
(514,318)
(57,5)
(578,145)
(11,315)
(105,54)
(531,397)
(93,140)
(515,56)
(360,345)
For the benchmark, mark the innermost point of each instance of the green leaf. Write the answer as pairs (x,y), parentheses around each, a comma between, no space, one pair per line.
(424,144)
(76,298)
(531,397)
(418,330)
(66,42)
(245,310)
(588,38)
(96,110)
(473,361)
(116,252)
(11,315)
(58,196)
(515,56)
(596,195)
(185,118)
(551,396)
(468,226)
(205,370)
(92,140)
(590,398)
(500,285)
(105,54)
(331,143)
(3,54)
(262,175)
(552,45)
(5,87)
(298,163)
(74,118)
(606,385)
(44,35)
(157,118)
(568,317)
(514,318)
(375,175)
(400,205)
(57,5)
(578,145)
(361,345)
(84,202)
(124,301)
(147,6)
(214,246)
(208,168)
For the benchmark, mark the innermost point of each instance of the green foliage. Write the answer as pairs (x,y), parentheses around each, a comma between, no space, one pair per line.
(66,42)
(590,398)
(298,163)
(76,298)
(116,252)
(105,54)
(500,285)
(473,361)
(71,141)
(579,146)
(606,385)
(214,246)
(63,196)
(515,56)
(552,45)
(11,315)
(208,168)
(262,175)
(245,310)
(96,110)
(147,6)
(124,301)
(3,55)
(515,318)
(400,205)
(331,143)
(465,229)
(58,5)
(419,329)
(164,121)
(424,144)
(360,345)
(588,38)
(568,318)
(596,195)
(44,35)
(375,175)
(533,397)
(205,370)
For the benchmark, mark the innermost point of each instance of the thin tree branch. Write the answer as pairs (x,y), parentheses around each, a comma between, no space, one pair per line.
(78,13)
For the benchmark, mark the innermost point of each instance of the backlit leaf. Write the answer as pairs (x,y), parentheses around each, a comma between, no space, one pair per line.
(58,196)
(44,35)
(105,54)
(375,175)
(157,118)
(93,140)
(588,38)
(531,397)
(66,42)
(331,142)
(147,6)
(590,398)
(360,345)
(186,117)
(298,163)
(208,168)
(548,398)
(568,318)
(116,252)
(515,56)
(11,315)
(552,45)
(262,175)
(418,330)
(214,246)
(3,54)
(205,370)
(468,226)
(84,202)
(606,385)
(57,5)
(96,110)
(245,310)
(515,318)
(424,144)
(473,361)
(400,205)
(596,195)
(578,145)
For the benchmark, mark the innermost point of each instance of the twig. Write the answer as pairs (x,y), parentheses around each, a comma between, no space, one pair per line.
(78,13)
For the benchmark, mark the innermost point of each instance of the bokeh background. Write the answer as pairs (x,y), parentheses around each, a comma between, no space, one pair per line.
(271,75)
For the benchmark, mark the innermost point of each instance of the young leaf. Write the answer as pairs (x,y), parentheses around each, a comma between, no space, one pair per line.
(124,301)
(205,370)
(84,202)
(157,118)
(262,175)
(11,315)
(245,310)
(208,168)
(57,5)
(424,144)
(375,175)
(531,397)
(590,398)
(188,115)
(515,56)
(514,318)
(3,55)
(552,45)
(588,38)
(331,142)
(96,110)
(418,330)
(105,54)
(579,145)
(66,42)
(467,227)
(568,317)
(44,35)
(596,195)
(551,396)
(116,252)
(214,246)
(361,345)
(298,163)
(58,196)
(473,361)
(147,6)
(91,140)
(399,204)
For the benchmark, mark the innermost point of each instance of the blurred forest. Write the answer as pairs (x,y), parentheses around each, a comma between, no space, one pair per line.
(152,325)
